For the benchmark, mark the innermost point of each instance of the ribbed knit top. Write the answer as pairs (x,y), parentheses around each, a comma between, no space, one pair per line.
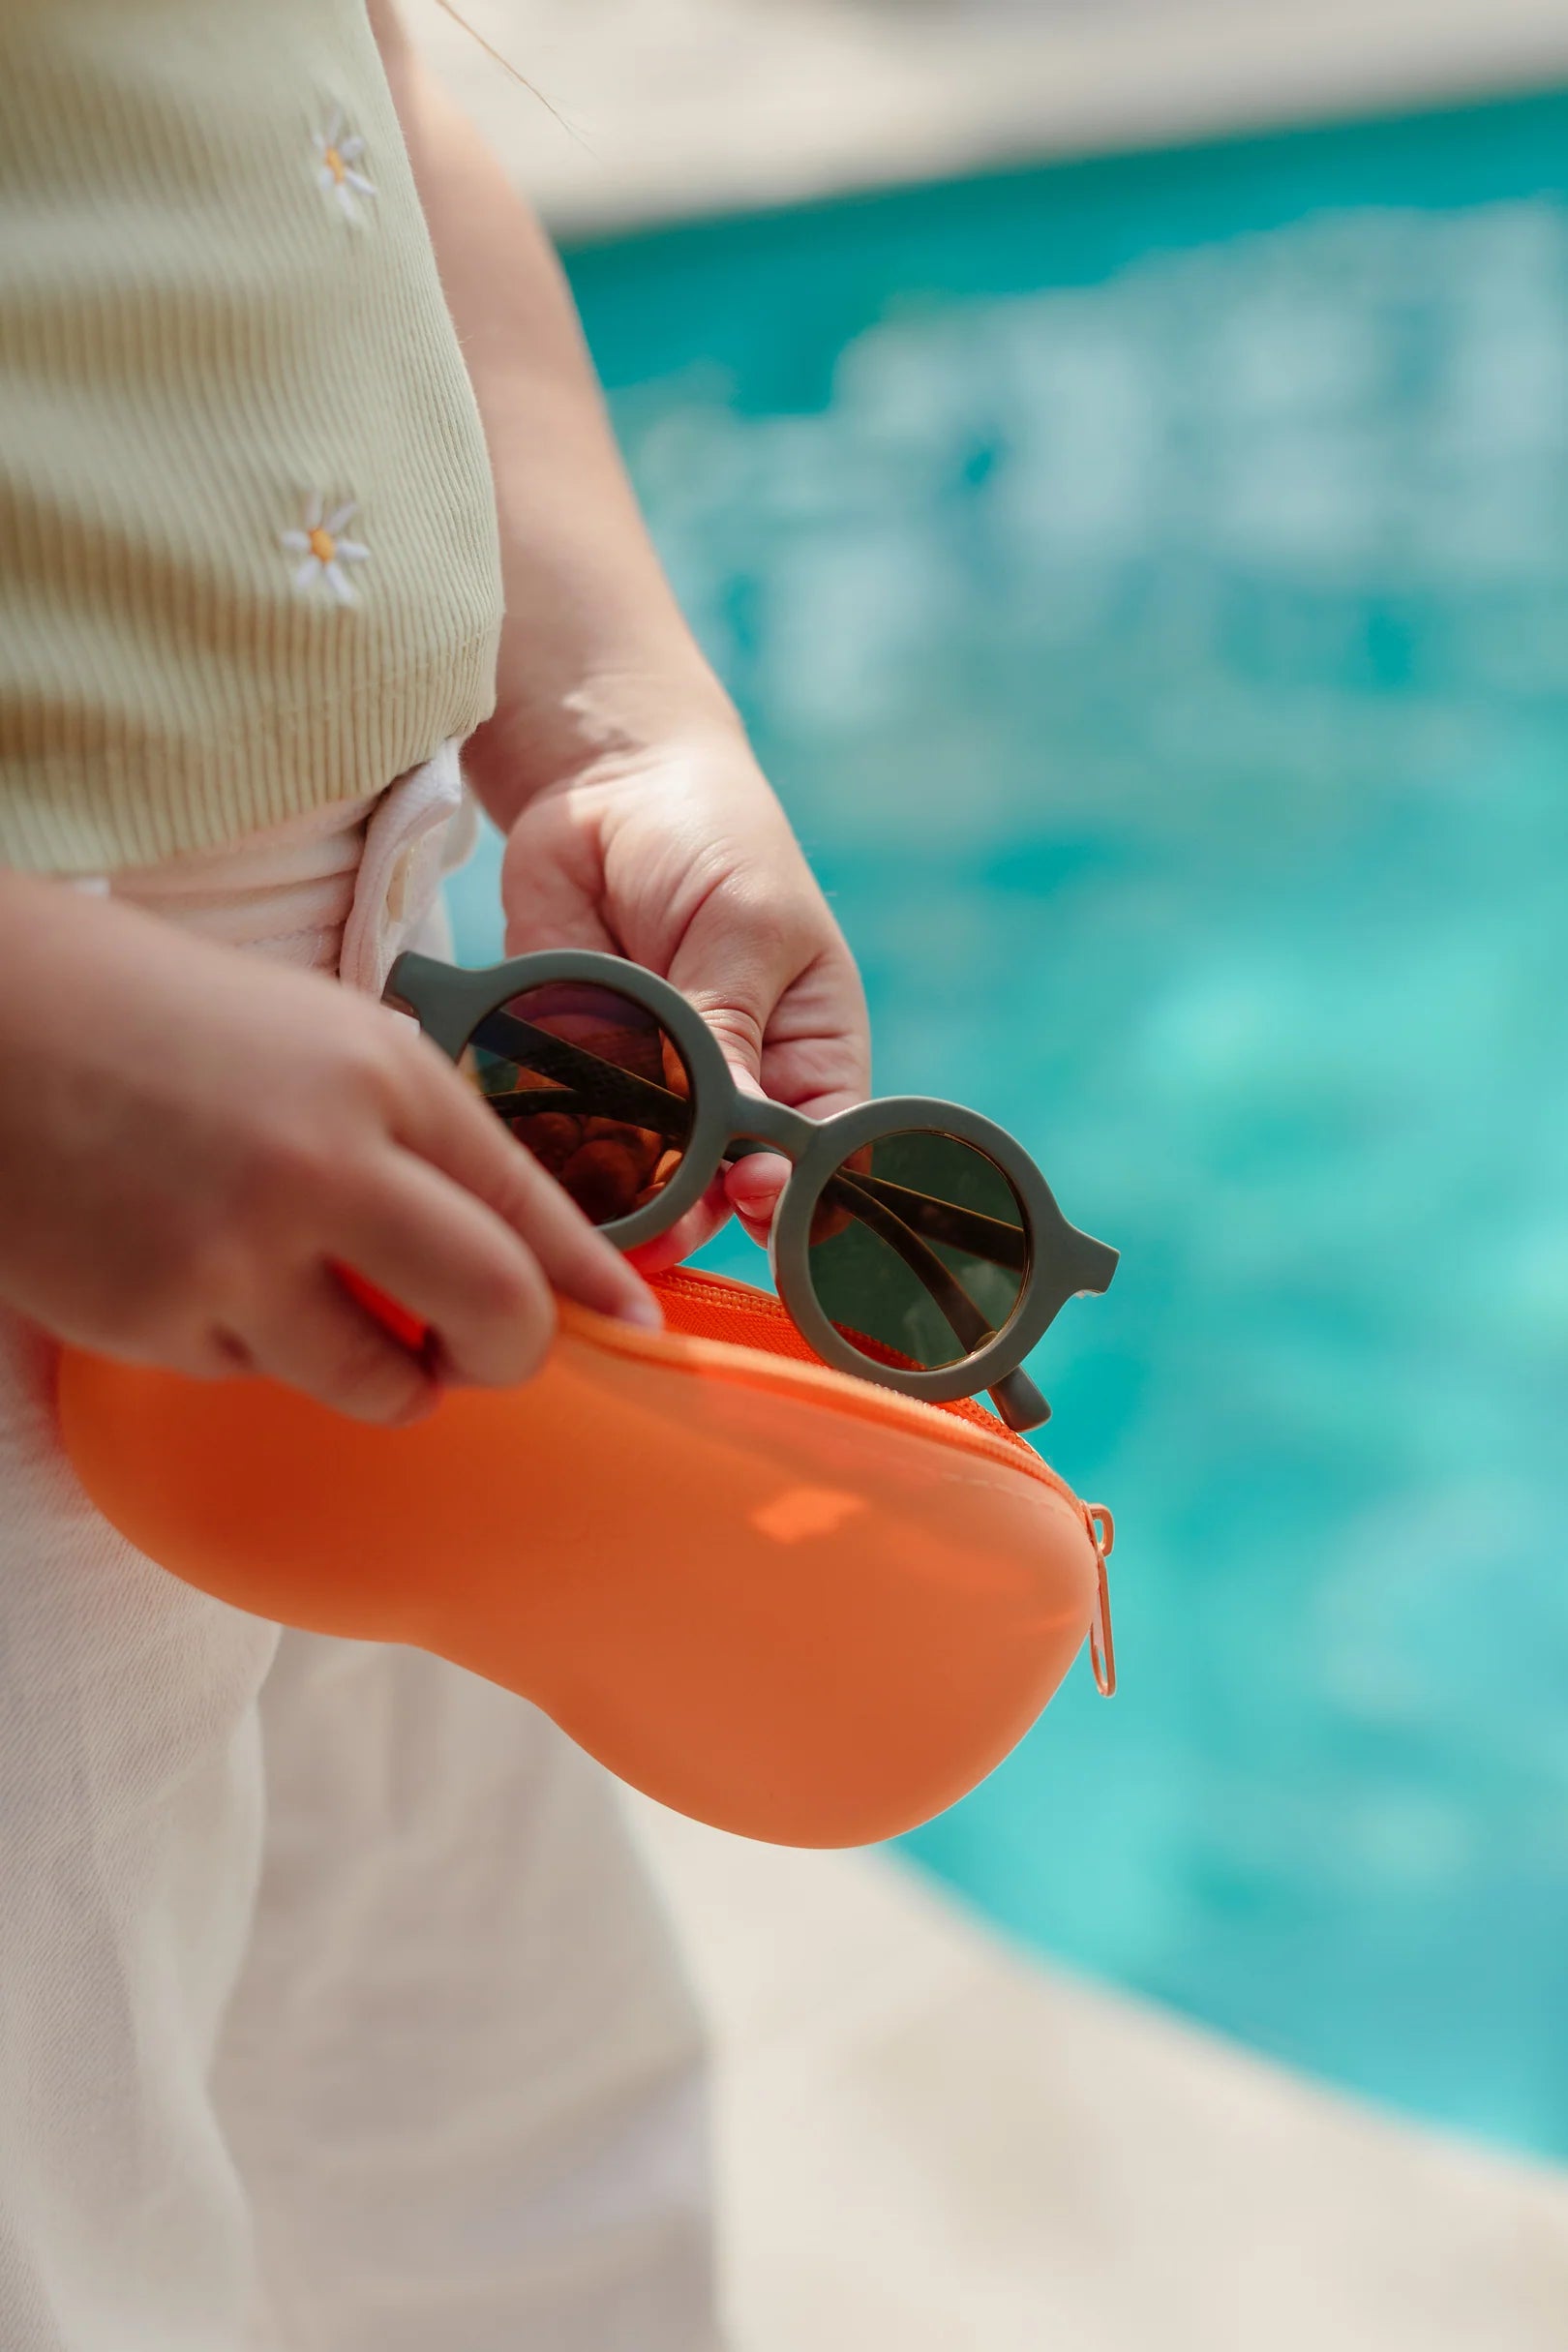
(248,552)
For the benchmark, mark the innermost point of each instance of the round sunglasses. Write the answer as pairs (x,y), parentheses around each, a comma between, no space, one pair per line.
(916,1244)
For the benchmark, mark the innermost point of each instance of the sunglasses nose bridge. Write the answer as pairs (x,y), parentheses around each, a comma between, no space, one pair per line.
(771,1126)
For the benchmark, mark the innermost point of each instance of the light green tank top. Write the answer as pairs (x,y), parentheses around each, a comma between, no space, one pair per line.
(247,553)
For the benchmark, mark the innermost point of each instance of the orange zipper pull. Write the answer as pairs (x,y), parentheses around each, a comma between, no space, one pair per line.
(399,1320)
(1101,1647)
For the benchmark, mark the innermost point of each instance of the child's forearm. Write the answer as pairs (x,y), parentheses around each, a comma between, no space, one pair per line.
(595,655)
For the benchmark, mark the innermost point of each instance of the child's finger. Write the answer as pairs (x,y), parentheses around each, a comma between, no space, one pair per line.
(783,998)
(752,1187)
(313,1336)
(450,1129)
(447,1258)
(687,1234)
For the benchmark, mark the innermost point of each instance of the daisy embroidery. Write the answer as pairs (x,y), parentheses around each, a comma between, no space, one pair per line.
(324,549)
(337,175)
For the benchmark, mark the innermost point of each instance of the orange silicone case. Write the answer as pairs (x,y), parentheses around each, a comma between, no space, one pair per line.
(784,1601)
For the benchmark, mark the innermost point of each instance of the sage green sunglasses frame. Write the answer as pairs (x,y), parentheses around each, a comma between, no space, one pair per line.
(719,1123)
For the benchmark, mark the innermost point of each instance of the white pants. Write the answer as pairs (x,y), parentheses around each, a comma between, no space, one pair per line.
(336,2014)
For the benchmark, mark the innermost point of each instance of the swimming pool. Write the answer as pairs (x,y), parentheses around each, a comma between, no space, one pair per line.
(1148,584)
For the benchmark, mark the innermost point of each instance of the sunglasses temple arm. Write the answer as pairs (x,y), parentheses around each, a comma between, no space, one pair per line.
(1080,1262)
(991,1238)
(1019,1402)
(621,1093)
(964,1318)
(927,1214)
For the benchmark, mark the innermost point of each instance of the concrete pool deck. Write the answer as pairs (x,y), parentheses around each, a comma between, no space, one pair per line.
(929,2144)
(669,108)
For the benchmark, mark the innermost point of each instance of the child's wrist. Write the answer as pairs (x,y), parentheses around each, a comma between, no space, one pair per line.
(609,722)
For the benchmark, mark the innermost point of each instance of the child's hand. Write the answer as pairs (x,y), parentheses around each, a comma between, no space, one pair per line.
(683,859)
(190,1141)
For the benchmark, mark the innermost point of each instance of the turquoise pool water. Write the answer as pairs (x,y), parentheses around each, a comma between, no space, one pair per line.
(1148,582)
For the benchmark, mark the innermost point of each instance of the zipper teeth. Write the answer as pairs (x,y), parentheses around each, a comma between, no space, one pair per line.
(1015,1452)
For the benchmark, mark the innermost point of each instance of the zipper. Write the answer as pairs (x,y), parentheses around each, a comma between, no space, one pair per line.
(1102,1644)
(1015,1452)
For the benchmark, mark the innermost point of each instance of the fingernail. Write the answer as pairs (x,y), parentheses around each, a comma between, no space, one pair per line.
(419,1408)
(645,1313)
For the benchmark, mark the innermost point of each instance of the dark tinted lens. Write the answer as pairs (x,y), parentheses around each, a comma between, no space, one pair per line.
(919,1246)
(593,1085)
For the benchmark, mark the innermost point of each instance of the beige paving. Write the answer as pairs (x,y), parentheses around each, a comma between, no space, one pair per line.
(675,106)
(930,2145)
